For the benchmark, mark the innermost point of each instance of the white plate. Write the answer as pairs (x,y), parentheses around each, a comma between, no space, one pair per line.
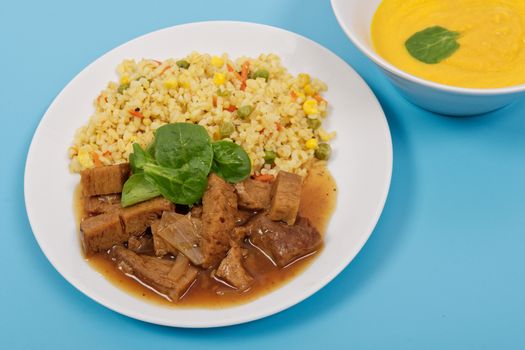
(361,165)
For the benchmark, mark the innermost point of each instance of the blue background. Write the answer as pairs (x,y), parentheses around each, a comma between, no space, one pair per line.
(444,269)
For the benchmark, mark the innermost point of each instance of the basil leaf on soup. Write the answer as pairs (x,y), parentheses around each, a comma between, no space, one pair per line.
(138,188)
(139,158)
(432,45)
(179,143)
(230,161)
(184,185)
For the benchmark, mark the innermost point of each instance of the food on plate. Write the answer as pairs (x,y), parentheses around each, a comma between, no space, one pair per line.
(238,239)
(210,205)
(274,116)
(465,43)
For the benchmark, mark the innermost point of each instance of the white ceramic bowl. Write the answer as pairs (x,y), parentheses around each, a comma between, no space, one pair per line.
(355,17)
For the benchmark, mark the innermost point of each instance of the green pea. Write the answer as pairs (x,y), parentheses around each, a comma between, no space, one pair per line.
(323,151)
(183,64)
(223,93)
(122,88)
(269,157)
(226,129)
(313,124)
(261,73)
(244,111)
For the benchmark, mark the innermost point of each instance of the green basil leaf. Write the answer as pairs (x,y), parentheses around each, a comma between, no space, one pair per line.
(150,150)
(230,161)
(139,158)
(181,143)
(432,45)
(184,185)
(138,188)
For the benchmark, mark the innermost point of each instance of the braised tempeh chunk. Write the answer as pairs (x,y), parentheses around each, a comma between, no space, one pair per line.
(253,194)
(157,272)
(101,204)
(286,197)
(101,232)
(104,180)
(231,269)
(283,243)
(219,206)
(137,218)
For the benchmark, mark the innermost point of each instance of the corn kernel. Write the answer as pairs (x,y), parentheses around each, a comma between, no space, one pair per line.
(84,158)
(217,61)
(309,90)
(311,144)
(324,136)
(219,78)
(303,79)
(170,83)
(124,79)
(310,107)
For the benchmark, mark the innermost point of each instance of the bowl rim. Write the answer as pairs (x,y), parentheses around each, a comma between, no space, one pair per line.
(381,62)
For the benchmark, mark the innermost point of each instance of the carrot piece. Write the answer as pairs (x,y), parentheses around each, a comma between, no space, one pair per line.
(293,95)
(263,178)
(232,70)
(232,108)
(244,74)
(165,69)
(318,98)
(278,126)
(214,98)
(106,154)
(136,113)
(96,159)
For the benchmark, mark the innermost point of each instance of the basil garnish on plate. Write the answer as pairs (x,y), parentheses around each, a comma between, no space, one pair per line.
(138,188)
(230,161)
(433,44)
(177,163)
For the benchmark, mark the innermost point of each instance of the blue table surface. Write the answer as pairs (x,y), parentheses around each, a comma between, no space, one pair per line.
(444,268)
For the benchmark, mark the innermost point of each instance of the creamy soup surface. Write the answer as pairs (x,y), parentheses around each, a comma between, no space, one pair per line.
(491,39)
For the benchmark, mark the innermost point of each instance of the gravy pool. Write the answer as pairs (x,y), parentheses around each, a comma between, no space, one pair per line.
(318,201)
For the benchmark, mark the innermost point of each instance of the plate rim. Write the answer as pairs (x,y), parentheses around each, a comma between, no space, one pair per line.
(303,295)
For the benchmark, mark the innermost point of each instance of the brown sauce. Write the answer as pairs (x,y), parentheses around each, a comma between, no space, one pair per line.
(318,201)
(319,196)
